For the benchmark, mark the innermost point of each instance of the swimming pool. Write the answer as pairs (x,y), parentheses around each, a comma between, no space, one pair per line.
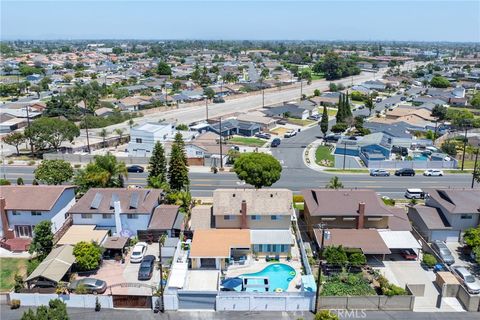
(279,276)
(420,157)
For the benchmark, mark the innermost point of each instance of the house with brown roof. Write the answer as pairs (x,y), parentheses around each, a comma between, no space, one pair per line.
(23,207)
(447,213)
(123,211)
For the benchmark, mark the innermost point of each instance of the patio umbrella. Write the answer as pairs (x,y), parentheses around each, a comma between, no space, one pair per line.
(126,233)
(232,283)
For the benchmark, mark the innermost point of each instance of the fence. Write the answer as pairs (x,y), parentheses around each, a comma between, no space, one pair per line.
(414,164)
(253,301)
(301,246)
(394,303)
(71,300)
(86,158)
(470,302)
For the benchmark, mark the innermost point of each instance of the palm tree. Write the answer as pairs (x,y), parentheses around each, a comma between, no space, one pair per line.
(104,133)
(111,170)
(119,131)
(89,95)
(334,183)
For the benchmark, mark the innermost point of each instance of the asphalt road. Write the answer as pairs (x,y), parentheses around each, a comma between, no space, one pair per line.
(124,314)
(295,176)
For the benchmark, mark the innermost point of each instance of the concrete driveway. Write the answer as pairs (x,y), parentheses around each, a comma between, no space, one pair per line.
(411,272)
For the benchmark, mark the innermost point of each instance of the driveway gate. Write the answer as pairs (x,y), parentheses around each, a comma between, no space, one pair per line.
(196,300)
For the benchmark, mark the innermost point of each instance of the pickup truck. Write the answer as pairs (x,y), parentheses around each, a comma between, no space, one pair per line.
(408,254)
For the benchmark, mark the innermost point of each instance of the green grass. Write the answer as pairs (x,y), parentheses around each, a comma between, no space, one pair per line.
(299,206)
(252,142)
(8,268)
(331,112)
(324,153)
(348,170)
(300,122)
(317,76)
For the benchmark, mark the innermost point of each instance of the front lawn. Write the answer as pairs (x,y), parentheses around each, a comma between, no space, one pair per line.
(251,142)
(331,112)
(317,76)
(8,268)
(324,157)
(300,122)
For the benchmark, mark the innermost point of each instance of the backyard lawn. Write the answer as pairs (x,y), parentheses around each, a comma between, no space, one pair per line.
(8,268)
(323,156)
(251,142)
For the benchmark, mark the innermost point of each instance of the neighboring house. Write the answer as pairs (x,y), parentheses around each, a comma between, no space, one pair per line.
(265,123)
(287,111)
(232,127)
(166,219)
(123,211)
(23,207)
(431,224)
(144,137)
(376,145)
(374,85)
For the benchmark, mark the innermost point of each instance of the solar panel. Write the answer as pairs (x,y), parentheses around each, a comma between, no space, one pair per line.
(96,201)
(134,201)
(114,199)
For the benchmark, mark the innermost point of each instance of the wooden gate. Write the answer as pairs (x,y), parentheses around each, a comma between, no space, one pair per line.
(129,301)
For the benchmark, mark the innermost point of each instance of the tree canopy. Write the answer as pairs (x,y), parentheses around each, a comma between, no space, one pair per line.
(54,172)
(42,242)
(257,169)
(439,82)
(50,133)
(157,166)
(15,139)
(178,166)
(164,69)
(87,255)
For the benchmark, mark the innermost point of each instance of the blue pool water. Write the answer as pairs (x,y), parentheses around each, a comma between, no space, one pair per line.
(420,157)
(279,276)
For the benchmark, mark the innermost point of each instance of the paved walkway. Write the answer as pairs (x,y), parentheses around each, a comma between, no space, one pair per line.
(4,253)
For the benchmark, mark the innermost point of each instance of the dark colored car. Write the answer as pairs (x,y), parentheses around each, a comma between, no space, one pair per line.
(218,100)
(146,268)
(263,135)
(135,168)
(332,138)
(275,143)
(405,172)
(282,122)
(91,285)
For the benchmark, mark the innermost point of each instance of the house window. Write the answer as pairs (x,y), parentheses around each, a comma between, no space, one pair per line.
(86,216)
(132,216)
(466,216)
(138,140)
(107,216)
(36,213)
(228,217)
(255,218)
(15,213)
(275,217)
(198,153)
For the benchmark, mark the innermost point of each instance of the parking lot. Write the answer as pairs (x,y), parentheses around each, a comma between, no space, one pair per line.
(125,275)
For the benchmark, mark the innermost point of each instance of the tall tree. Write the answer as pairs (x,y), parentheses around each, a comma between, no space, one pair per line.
(340,117)
(104,134)
(46,133)
(369,104)
(257,169)
(157,166)
(347,108)
(42,242)
(324,121)
(54,172)
(178,170)
(15,139)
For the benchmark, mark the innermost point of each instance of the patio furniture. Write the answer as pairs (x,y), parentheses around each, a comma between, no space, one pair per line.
(277,257)
(267,258)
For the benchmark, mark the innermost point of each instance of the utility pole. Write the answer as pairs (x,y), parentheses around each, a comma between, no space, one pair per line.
(464,146)
(474,173)
(206,106)
(160,244)
(28,126)
(263,97)
(322,226)
(344,153)
(221,151)
(86,126)
(301,88)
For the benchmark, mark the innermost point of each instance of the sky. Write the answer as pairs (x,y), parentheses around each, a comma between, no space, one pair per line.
(419,20)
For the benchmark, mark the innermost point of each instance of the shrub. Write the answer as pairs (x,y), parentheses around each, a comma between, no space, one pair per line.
(10,161)
(325,315)
(182,127)
(18,283)
(297,198)
(98,306)
(87,255)
(429,260)
(357,259)
(20,181)
(14,304)
(31,162)
(388,201)
(335,255)
(77,165)
(81,289)
(4,182)
(393,290)
(339,127)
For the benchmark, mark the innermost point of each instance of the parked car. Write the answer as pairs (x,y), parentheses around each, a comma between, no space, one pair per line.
(332,137)
(138,252)
(379,173)
(282,122)
(472,284)
(218,100)
(314,117)
(442,250)
(146,268)
(405,172)
(290,133)
(361,107)
(414,194)
(91,285)
(378,100)
(275,143)
(263,135)
(135,168)
(433,173)
(408,254)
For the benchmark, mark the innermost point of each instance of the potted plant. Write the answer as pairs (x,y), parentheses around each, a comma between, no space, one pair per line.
(98,306)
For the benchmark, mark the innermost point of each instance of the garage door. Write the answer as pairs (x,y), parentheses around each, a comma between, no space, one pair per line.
(208,263)
(196,300)
(445,235)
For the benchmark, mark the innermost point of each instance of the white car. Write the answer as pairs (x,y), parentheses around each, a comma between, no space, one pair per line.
(138,252)
(290,133)
(472,284)
(433,172)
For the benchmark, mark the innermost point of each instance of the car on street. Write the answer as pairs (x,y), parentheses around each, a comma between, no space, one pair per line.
(138,252)
(135,168)
(332,137)
(433,173)
(414,194)
(379,173)
(146,268)
(314,117)
(472,284)
(290,133)
(275,143)
(361,107)
(442,250)
(405,172)
(263,135)
(218,100)
(91,285)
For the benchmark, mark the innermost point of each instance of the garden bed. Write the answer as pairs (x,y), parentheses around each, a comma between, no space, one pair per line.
(324,157)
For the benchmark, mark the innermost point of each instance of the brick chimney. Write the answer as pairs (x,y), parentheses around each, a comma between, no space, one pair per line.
(243,212)
(361,215)
(7,233)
